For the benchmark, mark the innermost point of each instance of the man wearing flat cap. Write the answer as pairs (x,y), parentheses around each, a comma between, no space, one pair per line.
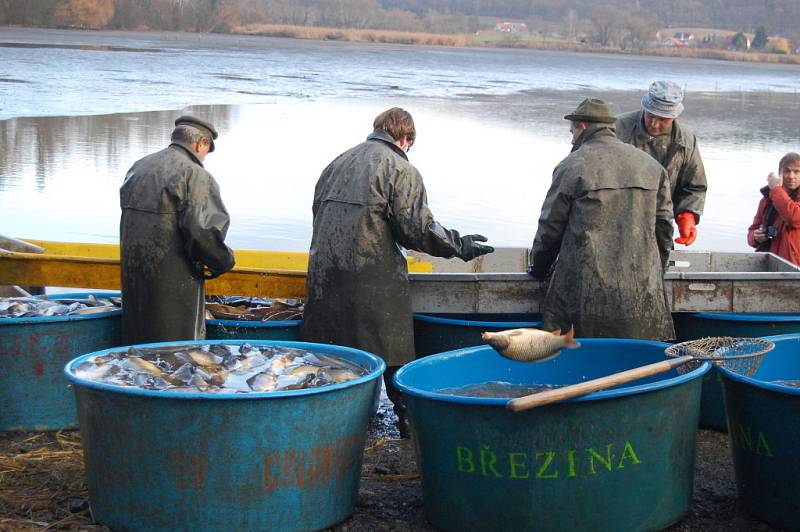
(604,235)
(655,130)
(172,238)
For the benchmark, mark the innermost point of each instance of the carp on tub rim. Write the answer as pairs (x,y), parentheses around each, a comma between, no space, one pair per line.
(329,350)
(501,401)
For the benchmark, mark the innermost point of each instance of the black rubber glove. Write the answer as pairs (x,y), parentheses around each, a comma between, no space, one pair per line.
(471,248)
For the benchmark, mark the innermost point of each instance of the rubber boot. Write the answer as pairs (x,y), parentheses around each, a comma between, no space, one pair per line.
(399,405)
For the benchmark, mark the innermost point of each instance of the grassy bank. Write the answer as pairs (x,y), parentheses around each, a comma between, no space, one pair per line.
(495,40)
(351,35)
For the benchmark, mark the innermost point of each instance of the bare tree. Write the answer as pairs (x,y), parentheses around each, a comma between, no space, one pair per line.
(85,13)
(607,21)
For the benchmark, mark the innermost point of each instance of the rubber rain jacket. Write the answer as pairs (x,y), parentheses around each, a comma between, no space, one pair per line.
(173,225)
(687,176)
(606,231)
(786,220)
(369,203)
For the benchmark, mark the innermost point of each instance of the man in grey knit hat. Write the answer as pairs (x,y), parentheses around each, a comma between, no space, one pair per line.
(655,130)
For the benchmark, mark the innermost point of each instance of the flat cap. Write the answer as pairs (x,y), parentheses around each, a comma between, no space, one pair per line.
(592,110)
(205,127)
(663,99)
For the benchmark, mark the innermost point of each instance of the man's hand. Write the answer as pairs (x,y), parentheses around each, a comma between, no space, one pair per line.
(470,247)
(774,180)
(208,274)
(537,273)
(687,228)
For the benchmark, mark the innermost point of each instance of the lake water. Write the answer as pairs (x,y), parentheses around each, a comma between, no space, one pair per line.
(78,108)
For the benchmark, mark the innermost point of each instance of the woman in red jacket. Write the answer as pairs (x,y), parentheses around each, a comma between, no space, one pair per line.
(776,227)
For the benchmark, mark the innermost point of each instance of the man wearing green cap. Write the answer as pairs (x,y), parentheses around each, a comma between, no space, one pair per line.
(172,238)
(604,235)
(655,130)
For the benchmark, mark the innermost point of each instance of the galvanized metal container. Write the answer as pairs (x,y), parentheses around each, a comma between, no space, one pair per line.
(437,333)
(33,393)
(619,459)
(764,421)
(690,326)
(253,330)
(287,460)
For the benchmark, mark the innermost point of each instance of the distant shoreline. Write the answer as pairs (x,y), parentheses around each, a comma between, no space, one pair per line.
(497,41)
(511,42)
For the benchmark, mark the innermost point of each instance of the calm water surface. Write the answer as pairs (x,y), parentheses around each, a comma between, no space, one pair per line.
(78,108)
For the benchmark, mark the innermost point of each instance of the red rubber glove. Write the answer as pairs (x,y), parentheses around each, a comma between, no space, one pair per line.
(687,228)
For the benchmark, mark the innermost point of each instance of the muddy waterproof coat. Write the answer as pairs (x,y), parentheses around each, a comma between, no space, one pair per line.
(173,224)
(786,220)
(687,176)
(368,203)
(606,229)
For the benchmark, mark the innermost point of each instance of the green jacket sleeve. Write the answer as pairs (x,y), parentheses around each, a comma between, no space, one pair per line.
(552,224)
(691,186)
(664,229)
(412,221)
(204,224)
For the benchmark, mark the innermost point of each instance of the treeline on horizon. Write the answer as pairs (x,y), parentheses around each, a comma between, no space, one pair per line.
(568,17)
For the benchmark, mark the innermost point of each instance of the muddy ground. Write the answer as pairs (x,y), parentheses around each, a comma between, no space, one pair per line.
(42,486)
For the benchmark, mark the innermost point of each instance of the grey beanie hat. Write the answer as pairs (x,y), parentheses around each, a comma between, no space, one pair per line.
(663,99)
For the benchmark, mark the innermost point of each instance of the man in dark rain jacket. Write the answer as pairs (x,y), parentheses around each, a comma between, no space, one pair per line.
(605,230)
(369,203)
(655,130)
(172,234)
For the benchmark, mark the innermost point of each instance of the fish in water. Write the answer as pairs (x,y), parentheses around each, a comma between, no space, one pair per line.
(530,345)
(219,368)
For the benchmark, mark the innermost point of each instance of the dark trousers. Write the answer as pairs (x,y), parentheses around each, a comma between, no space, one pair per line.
(395,395)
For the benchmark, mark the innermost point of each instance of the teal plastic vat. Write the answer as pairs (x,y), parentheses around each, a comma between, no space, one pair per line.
(619,459)
(288,330)
(33,393)
(691,326)
(437,333)
(288,460)
(764,421)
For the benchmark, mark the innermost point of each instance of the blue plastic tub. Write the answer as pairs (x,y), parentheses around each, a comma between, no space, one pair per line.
(286,460)
(437,333)
(764,421)
(690,326)
(253,330)
(619,459)
(33,393)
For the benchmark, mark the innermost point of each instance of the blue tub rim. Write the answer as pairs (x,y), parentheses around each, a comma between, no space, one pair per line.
(195,396)
(749,316)
(501,401)
(426,317)
(254,323)
(758,383)
(61,319)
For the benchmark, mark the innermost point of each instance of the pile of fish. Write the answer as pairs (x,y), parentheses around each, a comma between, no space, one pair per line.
(218,368)
(253,308)
(33,307)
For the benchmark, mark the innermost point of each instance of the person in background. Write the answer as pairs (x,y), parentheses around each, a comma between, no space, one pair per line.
(172,238)
(605,231)
(655,130)
(776,226)
(369,204)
